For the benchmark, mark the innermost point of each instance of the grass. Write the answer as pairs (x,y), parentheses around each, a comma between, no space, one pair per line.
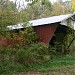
(58,65)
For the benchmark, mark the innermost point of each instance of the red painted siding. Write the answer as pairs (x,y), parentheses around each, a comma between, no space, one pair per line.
(4,41)
(45,32)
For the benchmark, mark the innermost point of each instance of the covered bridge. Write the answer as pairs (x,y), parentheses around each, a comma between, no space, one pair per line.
(50,29)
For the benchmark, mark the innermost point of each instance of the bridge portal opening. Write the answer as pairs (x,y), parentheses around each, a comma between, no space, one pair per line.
(57,38)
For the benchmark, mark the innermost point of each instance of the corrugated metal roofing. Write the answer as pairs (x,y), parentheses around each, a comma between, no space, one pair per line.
(42,21)
(49,20)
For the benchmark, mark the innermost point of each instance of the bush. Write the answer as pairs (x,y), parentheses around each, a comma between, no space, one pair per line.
(35,53)
(13,59)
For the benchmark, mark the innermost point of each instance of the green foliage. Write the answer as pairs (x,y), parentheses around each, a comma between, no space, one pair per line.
(35,57)
(57,9)
(58,63)
(38,9)
(29,34)
(52,51)
(44,8)
(8,15)
(12,59)
(68,37)
(31,54)
(23,57)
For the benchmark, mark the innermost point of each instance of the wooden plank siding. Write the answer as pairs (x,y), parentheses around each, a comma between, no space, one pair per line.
(45,32)
(4,41)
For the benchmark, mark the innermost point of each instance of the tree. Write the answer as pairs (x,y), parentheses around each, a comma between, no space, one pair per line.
(73,4)
(8,14)
(67,7)
(57,9)
(6,4)
(60,1)
(38,9)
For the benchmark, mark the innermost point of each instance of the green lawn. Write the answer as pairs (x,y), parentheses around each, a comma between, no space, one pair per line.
(60,65)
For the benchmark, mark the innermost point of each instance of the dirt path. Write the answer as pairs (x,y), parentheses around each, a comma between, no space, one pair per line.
(66,72)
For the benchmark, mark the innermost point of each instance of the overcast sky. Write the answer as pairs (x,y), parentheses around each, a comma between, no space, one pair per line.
(56,0)
(50,0)
(23,3)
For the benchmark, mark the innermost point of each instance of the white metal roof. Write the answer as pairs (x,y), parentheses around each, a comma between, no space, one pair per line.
(48,20)
(42,21)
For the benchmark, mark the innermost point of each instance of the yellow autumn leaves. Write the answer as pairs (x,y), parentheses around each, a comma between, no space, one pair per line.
(73,4)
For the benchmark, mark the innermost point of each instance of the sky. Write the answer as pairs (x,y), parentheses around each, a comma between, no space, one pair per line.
(50,0)
(56,0)
(23,1)
(23,4)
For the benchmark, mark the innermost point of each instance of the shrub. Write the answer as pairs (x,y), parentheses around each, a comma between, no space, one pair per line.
(25,54)
(35,53)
